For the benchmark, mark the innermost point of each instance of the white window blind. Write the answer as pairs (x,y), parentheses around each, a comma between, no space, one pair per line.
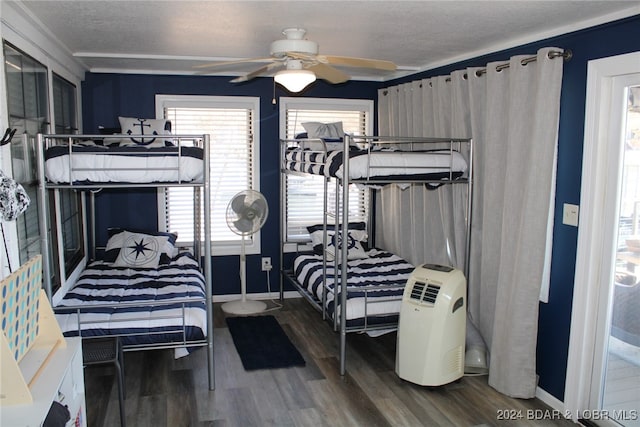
(304,202)
(232,153)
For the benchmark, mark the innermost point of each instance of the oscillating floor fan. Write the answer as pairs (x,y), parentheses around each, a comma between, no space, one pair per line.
(246,214)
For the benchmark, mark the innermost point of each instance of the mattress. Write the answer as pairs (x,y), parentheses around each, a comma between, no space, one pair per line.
(375,284)
(143,306)
(382,164)
(123,164)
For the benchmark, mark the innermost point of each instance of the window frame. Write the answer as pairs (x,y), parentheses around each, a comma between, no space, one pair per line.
(335,104)
(65,265)
(220,247)
(27,239)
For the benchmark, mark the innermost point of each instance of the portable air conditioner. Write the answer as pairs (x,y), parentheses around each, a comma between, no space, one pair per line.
(431,329)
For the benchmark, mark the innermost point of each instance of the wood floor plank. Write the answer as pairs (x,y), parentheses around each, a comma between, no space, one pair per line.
(417,401)
(308,417)
(152,411)
(354,401)
(293,389)
(241,408)
(181,401)
(164,391)
(97,385)
(396,413)
(155,367)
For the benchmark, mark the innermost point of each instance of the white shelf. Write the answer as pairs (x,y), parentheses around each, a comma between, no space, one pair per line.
(61,374)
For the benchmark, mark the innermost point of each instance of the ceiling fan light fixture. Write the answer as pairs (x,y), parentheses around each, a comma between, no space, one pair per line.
(295,80)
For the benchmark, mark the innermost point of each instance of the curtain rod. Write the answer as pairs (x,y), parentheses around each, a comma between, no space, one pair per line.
(567,54)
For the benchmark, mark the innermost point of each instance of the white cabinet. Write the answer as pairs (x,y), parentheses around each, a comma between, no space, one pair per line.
(38,365)
(59,379)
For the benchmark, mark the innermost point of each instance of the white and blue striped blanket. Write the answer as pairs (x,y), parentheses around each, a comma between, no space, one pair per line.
(142,306)
(380,165)
(374,284)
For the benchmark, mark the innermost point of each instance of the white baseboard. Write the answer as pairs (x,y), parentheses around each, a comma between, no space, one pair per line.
(549,399)
(256,296)
(553,402)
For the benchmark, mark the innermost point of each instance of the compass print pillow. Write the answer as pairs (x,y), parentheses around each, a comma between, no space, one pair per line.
(355,250)
(140,250)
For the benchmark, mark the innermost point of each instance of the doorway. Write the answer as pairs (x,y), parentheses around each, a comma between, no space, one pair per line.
(620,376)
(603,352)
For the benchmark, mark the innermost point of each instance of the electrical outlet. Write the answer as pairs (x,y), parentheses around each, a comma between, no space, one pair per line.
(266,264)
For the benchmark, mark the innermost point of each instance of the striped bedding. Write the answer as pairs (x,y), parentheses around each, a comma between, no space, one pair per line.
(382,273)
(128,164)
(140,305)
(382,164)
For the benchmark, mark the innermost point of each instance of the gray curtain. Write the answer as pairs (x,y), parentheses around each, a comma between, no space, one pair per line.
(512,115)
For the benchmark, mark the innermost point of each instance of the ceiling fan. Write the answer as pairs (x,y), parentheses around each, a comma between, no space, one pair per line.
(296,63)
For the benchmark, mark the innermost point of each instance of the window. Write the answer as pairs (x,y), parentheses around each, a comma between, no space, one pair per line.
(64,106)
(69,201)
(305,200)
(234,150)
(28,108)
(28,112)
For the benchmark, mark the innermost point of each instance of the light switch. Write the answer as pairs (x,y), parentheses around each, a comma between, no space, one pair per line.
(570,214)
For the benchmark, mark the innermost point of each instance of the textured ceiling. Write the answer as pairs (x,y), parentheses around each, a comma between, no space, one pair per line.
(173,36)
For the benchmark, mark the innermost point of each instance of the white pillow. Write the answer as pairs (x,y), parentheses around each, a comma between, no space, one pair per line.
(316,145)
(136,126)
(324,130)
(354,247)
(140,250)
(357,234)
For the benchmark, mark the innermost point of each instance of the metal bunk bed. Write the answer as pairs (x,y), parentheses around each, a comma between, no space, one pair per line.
(172,175)
(304,157)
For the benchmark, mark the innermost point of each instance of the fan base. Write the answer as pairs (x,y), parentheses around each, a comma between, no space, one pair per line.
(243,307)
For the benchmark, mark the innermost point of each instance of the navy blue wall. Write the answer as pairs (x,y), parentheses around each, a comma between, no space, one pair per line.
(107,96)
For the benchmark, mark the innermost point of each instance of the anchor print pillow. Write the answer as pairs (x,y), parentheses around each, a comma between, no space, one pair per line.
(152,127)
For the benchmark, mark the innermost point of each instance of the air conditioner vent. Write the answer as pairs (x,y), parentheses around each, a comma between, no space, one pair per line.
(431,293)
(425,292)
(416,292)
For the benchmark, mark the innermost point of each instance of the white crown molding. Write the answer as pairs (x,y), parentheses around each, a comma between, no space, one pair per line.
(534,37)
(160,57)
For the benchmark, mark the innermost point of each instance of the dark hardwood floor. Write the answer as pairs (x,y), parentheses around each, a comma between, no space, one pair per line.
(162,391)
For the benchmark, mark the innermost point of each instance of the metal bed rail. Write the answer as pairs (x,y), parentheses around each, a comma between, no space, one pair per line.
(371,144)
(202,196)
(82,311)
(71,141)
(309,158)
(369,322)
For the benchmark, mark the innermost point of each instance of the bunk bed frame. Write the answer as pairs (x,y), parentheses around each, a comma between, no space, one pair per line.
(201,193)
(314,162)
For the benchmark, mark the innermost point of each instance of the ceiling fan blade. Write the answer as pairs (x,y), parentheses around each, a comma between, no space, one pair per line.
(256,73)
(302,56)
(234,62)
(328,73)
(348,61)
